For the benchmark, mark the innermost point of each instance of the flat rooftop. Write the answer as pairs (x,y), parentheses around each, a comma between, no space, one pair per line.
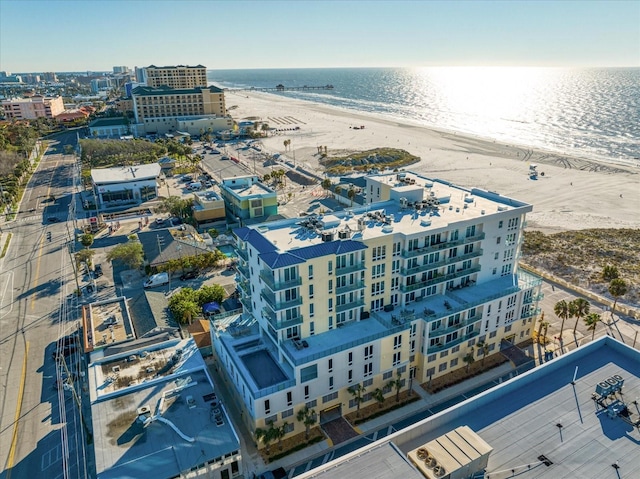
(107,322)
(245,191)
(454,205)
(192,425)
(540,413)
(122,174)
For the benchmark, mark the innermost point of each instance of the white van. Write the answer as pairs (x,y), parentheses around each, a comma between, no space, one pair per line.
(196,185)
(154,280)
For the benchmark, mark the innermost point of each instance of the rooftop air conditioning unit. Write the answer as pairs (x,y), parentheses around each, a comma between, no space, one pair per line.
(143,410)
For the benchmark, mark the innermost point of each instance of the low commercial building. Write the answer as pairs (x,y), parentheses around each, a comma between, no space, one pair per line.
(155,413)
(208,207)
(123,185)
(397,290)
(109,127)
(247,198)
(35,107)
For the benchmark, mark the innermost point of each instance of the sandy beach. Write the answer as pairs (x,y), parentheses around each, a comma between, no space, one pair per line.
(574,193)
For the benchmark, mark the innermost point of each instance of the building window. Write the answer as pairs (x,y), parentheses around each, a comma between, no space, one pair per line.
(453,363)
(310,291)
(330,267)
(310,271)
(330,397)
(267,406)
(306,392)
(309,373)
(350,375)
(289,398)
(330,383)
(397,342)
(330,286)
(388,375)
(311,404)
(330,304)
(330,366)
(367,383)
(368,352)
(311,310)
(287,413)
(368,369)
(396,358)
(350,356)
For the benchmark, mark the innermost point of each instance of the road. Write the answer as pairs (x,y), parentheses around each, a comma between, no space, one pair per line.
(40,433)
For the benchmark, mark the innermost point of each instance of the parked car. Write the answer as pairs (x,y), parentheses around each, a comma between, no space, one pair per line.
(159,221)
(196,185)
(189,275)
(53,219)
(97,270)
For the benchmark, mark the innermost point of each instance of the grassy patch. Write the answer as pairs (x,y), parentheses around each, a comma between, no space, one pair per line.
(378,158)
(6,245)
(291,445)
(376,410)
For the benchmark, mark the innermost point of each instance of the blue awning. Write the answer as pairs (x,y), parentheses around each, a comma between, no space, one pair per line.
(210,307)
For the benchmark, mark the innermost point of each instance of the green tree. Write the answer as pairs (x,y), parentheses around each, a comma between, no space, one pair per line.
(308,418)
(617,288)
(397,385)
(580,308)
(185,311)
(610,272)
(563,311)
(280,432)
(357,391)
(378,395)
(130,253)
(338,190)
(483,348)
(84,256)
(591,321)
(541,325)
(469,359)
(214,233)
(207,294)
(86,240)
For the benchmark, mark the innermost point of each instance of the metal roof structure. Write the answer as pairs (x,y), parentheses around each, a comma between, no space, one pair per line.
(548,423)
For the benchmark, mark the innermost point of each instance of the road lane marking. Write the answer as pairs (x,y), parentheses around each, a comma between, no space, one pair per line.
(14,440)
(35,278)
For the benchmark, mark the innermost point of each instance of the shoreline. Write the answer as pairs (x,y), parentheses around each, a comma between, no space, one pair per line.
(574,193)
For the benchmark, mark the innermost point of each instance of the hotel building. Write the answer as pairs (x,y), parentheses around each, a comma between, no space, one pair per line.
(401,290)
(164,109)
(176,76)
(34,107)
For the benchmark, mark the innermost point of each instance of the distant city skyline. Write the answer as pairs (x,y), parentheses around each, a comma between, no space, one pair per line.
(39,36)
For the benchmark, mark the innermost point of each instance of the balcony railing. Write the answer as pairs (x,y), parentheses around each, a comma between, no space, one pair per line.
(282,324)
(243,269)
(440,246)
(348,306)
(439,279)
(277,305)
(350,287)
(278,285)
(350,269)
(534,298)
(442,262)
(242,253)
(450,344)
(454,327)
(246,303)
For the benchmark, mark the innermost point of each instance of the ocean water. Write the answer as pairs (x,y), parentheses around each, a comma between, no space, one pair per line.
(591,113)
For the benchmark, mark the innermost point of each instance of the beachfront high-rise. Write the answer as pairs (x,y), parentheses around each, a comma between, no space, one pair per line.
(179,76)
(35,107)
(403,288)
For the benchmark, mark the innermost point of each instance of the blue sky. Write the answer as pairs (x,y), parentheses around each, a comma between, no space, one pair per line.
(96,35)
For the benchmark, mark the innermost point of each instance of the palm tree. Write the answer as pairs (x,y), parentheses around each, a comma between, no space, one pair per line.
(266,177)
(326,184)
(542,321)
(378,395)
(592,320)
(308,418)
(483,348)
(266,436)
(580,310)
(280,432)
(610,272)
(351,194)
(617,287)
(86,240)
(468,360)
(546,328)
(563,311)
(337,189)
(357,391)
(397,385)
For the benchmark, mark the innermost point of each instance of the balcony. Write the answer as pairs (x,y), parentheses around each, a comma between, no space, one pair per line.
(440,246)
(454,327)
(243,269)
(531,313)
(534,298)
(441,347)
(348,306)
(278,305)
(282,324)
(246,303)
(350,287)
(242,253)
(439,279)
(350,269)
(278,285)
(442,262)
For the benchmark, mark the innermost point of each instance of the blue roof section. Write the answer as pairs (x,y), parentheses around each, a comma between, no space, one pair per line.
(300,255)
(255,239)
